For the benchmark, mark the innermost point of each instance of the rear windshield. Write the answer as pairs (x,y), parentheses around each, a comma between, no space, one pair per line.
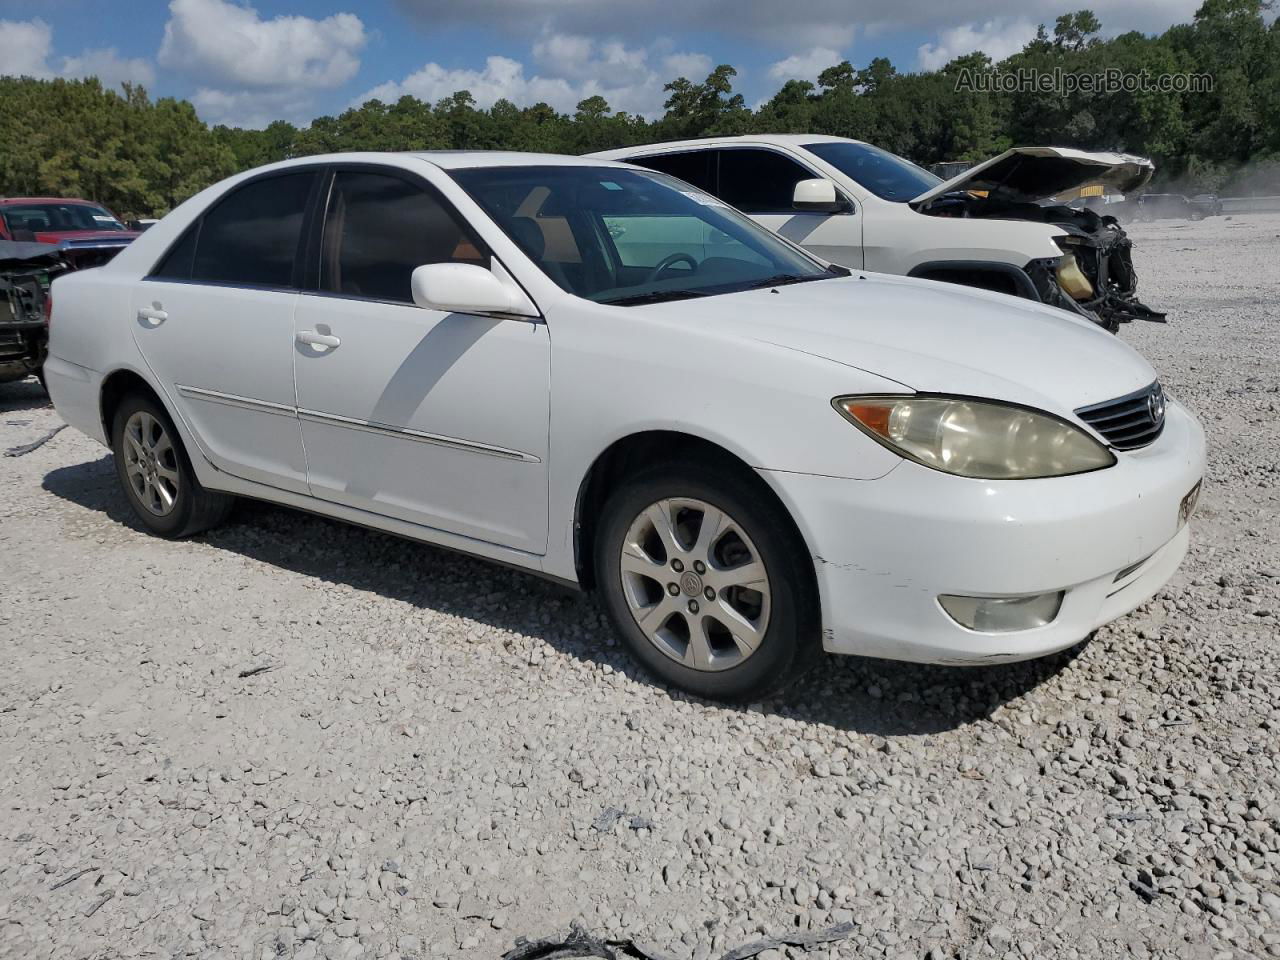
(885,174)
(47,217)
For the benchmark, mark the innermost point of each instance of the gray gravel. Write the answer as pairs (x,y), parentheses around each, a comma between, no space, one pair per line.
(293,738)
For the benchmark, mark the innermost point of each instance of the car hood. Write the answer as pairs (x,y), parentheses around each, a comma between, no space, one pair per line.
(933,338)
(1031,174)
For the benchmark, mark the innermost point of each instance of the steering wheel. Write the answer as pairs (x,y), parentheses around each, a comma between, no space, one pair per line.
(671,260)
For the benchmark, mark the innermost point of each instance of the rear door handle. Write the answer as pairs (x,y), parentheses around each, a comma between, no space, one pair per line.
(318,339)
(152,315)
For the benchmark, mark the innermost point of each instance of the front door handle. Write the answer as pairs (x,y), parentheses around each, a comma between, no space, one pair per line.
(153,316)
(318,339)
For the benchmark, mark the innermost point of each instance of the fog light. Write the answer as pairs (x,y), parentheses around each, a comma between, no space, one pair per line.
(1003,614)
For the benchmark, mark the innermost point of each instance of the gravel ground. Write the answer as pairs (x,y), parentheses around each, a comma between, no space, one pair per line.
(293,738)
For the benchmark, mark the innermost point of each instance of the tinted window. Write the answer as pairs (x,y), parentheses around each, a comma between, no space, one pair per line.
(251,237)
(379,228)
(177,262)
(697,168)
(885,174)
(759,181)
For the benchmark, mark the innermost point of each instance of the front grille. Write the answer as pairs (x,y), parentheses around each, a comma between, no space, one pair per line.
(1128,422)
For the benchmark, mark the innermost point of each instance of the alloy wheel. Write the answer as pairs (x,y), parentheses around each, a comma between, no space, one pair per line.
(151,463)
(695,584)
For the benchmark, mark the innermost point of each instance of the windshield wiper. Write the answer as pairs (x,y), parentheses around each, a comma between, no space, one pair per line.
(782,279)
(653,296)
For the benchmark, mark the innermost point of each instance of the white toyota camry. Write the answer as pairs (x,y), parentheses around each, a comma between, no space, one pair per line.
(603,375)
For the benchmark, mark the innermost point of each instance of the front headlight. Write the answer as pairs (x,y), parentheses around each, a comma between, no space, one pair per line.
(976,438)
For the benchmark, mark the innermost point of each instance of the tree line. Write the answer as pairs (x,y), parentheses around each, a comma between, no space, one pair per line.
(142,157)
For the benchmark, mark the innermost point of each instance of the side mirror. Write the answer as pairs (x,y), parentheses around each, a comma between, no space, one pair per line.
(817,196)
(462,288)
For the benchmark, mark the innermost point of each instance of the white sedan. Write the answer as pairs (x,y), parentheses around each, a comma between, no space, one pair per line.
(602,375)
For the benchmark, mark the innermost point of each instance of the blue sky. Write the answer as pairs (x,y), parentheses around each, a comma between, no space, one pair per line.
(248,63)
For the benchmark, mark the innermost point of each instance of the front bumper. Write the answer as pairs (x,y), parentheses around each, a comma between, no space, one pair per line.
(885,549)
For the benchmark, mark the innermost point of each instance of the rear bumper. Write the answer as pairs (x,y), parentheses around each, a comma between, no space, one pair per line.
(76,393)
(884,550)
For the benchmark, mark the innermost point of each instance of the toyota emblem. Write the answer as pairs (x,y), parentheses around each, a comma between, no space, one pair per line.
(1155,404)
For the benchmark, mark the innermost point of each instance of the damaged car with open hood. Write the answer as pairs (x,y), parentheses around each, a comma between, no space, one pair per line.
(996,226)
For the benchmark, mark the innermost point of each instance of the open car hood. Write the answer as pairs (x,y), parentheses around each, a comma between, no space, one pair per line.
(20,251)
(1031,174)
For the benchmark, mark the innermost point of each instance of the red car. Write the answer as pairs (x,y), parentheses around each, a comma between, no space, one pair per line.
(88,233)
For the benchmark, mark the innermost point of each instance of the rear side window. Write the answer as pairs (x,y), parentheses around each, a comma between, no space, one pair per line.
(697,168)
(379,228)
(759,181)
(176,264)
(251,236)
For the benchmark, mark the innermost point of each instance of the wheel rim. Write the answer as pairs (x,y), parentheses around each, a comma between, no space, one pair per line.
(151,463)
(695,584)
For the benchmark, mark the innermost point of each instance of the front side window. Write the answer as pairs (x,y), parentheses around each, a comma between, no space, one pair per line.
(251,236)
(632,236)
(885,174)
(379,228)
(759,181)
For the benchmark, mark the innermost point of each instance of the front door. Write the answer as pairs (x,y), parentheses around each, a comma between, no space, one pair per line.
(435,418)
(214,322)
(762,183)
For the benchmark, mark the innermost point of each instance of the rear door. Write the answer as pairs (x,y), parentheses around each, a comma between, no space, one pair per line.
(436,418)
(214,322)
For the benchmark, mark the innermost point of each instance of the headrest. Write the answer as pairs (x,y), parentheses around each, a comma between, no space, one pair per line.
(528,235)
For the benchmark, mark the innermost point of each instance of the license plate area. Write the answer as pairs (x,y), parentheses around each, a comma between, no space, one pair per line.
(1187,506)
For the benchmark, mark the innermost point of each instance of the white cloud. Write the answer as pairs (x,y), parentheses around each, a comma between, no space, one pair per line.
(27,45)
(805,66)
(252,109)
(501,78)
(566,69)
(109,67)
(24,47)
(692,66)
(997,38)
(796,26)
(249,67)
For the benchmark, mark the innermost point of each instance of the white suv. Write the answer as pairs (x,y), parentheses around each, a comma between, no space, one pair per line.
(858,205)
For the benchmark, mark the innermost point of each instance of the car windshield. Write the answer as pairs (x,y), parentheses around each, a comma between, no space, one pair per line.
(43,217)
(629,237)
(885,174)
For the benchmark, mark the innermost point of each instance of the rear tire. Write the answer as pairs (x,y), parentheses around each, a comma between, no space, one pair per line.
(155,472)
(732,615)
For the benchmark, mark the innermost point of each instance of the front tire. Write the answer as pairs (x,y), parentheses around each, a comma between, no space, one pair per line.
(155,472)
(706,580)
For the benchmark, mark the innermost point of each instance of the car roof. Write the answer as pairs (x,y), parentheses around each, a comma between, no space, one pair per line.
(777,139)
(13,201)
(445,159)
(459,159)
